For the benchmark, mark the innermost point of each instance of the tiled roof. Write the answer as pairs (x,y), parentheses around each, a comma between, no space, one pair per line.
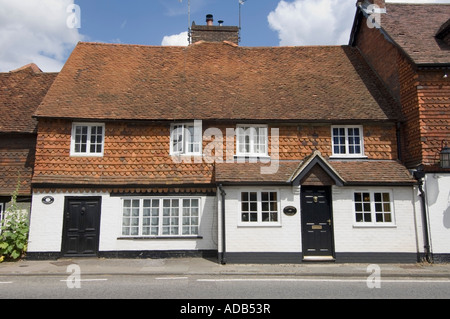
(21,91)
(251,172)
(217,81)
(359,172)
(414,28)
(373,172)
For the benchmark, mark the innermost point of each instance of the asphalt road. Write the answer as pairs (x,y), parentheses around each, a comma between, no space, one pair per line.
(185,288)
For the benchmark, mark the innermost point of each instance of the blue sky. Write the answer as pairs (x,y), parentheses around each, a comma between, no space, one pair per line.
(36,31)
(148,21)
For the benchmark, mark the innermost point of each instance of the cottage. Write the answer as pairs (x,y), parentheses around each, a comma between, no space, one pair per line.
(413,61)
(21,91)
(270,154)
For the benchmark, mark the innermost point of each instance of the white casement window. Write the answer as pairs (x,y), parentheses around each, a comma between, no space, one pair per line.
(186,138)
(259,208)
(373,208)
(147,217)
(347,141)
(87,139)
(252,140)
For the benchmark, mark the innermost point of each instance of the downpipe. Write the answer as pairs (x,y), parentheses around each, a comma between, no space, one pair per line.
(223,260)
(419,176)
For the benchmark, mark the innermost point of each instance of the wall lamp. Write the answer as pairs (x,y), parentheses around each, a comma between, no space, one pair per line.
(444,156)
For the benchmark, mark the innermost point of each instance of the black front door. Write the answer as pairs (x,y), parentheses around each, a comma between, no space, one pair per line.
(81,226)
(317,230)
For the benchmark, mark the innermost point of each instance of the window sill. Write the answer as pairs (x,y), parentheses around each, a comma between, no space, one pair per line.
(374,226)
(348,157)
(251,158)
(85,155)
(157,237)
(259,225)
(186,154)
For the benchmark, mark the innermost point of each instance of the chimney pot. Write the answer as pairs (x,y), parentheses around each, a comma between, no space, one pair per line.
(220,22)
(209,19)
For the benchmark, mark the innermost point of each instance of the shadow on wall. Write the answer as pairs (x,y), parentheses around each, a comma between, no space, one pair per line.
(446,214)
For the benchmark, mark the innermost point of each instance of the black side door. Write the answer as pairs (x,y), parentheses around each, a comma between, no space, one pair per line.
(317,230)
(81,228)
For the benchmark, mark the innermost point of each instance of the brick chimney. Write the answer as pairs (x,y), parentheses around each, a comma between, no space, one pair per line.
(214,33)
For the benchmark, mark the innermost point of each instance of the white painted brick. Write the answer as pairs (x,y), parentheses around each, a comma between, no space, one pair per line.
(47,223)
(437,190)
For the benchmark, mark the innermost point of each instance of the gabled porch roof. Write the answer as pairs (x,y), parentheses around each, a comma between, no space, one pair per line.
(339,172)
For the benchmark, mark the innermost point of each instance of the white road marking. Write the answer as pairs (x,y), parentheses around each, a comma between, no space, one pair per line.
(72,280)
(323,280)
(170,278)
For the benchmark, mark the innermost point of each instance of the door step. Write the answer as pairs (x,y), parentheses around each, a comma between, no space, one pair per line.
(318,258)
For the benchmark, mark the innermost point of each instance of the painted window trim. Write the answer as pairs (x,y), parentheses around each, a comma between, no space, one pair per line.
(88,153)
(161,199)
(259,223)
(252,153)
(347,154)
(196,125)
(374,223)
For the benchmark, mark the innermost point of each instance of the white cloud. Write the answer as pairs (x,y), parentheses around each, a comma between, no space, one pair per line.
(417,1)
(176,39)
(313,22)
(318,22)
(36,32)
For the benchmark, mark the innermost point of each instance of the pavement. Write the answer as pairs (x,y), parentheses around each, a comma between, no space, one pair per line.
(201,266)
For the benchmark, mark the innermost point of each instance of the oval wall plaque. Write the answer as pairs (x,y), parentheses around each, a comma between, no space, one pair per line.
(290,210)
(47,200)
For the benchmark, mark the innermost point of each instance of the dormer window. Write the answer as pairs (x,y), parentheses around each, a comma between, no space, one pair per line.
(87,139)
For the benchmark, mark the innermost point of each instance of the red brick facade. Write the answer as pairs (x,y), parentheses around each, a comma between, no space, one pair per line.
(420,87)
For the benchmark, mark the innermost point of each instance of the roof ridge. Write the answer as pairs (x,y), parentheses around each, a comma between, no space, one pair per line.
(31,66)
(202,42)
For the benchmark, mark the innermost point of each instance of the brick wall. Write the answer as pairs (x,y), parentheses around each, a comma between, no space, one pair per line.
(381,55)
(215,33)
(423,94)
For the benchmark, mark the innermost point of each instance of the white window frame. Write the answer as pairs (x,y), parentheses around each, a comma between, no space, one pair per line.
(346,141)
(88,152)
(250,130)
(181,218)
(259,212)
(184,133)
(374,208)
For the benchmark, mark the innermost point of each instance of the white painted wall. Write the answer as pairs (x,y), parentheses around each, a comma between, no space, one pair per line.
(46,223)
(285,237)
(352,237)
(46,226)
(437,190)
(349,237)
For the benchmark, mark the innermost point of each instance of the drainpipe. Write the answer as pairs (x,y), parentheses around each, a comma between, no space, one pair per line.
(419,175)
(399,143)
(222,193)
